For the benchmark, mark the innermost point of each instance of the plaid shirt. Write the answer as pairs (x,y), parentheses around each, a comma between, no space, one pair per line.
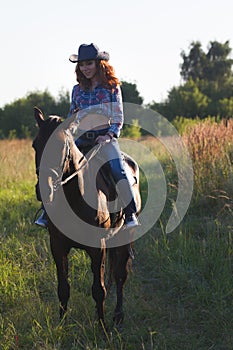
(99,101)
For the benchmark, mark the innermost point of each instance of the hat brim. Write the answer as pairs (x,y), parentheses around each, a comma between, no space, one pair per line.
(73,58)
(101,56)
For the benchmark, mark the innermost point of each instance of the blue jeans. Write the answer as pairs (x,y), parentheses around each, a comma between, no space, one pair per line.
(110,153)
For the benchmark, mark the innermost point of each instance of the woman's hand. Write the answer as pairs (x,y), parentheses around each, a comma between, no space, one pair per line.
(103,139)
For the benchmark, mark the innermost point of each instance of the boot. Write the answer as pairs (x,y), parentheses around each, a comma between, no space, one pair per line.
(117,173)
(131,221)
(42,220)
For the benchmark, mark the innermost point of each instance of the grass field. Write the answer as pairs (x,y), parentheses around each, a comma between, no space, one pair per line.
(179,295)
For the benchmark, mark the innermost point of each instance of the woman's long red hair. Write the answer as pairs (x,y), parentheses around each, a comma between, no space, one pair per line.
(106,76)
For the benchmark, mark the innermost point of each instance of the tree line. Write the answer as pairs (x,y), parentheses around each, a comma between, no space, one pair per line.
(206,90)
(207,84)
(16,119)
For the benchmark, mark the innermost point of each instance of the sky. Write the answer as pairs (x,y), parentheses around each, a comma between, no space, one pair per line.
(144,38)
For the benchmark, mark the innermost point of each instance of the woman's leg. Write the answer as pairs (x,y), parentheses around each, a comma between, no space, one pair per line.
(110,152)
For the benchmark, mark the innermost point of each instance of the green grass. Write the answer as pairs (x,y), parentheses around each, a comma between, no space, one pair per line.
(178,295)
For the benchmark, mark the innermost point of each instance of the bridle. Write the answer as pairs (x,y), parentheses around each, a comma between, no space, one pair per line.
(60,170)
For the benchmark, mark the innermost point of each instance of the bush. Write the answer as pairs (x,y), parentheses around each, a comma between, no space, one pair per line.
(132,131)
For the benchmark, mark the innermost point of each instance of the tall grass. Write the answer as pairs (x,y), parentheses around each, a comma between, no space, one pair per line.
(179,292)
(211,149)
(17,162)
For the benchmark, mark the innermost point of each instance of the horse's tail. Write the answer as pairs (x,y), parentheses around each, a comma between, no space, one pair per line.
(110,269)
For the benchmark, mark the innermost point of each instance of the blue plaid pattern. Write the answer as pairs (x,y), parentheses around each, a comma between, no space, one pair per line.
(99,101)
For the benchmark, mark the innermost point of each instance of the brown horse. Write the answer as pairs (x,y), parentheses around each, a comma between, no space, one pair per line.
(66,171)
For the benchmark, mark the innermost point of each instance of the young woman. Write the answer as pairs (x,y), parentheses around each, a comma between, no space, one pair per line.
(98,102)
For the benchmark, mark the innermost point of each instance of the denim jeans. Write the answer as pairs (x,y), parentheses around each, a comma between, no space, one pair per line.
(110,153)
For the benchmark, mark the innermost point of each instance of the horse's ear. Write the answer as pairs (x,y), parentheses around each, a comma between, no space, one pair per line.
(38,116)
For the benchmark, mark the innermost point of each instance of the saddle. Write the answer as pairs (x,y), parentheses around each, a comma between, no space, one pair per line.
(130,167)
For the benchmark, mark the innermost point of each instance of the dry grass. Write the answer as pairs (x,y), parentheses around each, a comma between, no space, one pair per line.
(208,141)
(17,161)
(178,296)
(211,149)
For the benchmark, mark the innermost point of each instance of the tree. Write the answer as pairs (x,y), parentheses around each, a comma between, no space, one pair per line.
(226,107)
(193,63)
(215,65)
(18,115)
(218,65)
(130,93)
(188,100)
(16,119)
(63,103)
(207,88)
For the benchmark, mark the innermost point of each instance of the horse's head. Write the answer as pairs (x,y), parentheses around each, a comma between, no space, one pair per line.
(54,150)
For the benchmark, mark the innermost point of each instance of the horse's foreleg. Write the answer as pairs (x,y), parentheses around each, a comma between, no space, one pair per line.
(98,257)
(60,255)
(120,275)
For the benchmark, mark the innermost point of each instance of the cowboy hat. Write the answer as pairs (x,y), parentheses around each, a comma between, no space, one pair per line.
(89,52)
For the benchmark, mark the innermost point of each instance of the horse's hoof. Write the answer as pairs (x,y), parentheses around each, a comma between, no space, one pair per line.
(118,319)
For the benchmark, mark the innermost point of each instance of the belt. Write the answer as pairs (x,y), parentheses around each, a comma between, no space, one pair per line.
(92,134)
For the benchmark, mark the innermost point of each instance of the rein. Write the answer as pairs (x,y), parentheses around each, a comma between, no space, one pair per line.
(74,174)
(58,172)
(59,183)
